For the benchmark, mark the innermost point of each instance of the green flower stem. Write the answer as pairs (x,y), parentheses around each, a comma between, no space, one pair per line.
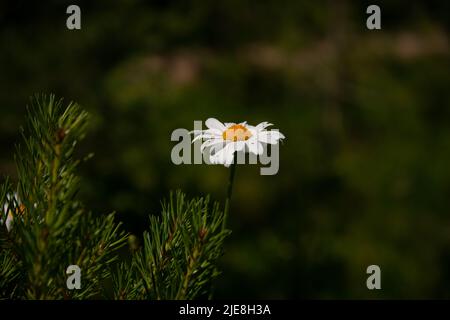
(227,208)
(229,191)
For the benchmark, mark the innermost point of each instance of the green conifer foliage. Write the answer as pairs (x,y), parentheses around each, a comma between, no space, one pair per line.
(51,230)
(180,253)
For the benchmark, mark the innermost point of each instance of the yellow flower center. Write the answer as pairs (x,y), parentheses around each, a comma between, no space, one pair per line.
(236,132)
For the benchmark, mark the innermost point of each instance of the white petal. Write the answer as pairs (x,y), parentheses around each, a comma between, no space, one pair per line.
(271,137)
(200,136)
(229,157)
(208,131)
(207,134)
(253,130)
(212,123)
(216,132)
(224,156)
(263,125)
(240,145)
(254,146)
(217,147)
(211,142)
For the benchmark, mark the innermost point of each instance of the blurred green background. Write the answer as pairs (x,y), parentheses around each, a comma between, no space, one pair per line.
(364,171)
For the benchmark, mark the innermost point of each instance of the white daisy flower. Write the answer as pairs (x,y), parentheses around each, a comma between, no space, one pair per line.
(224,139)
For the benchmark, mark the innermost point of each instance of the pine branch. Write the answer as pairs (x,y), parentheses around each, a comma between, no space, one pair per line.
(181,250)
(51,228)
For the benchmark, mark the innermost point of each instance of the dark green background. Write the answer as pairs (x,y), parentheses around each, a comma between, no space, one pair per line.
(364,175)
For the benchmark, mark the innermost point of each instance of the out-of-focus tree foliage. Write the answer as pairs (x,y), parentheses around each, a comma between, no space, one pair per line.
(364,176)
